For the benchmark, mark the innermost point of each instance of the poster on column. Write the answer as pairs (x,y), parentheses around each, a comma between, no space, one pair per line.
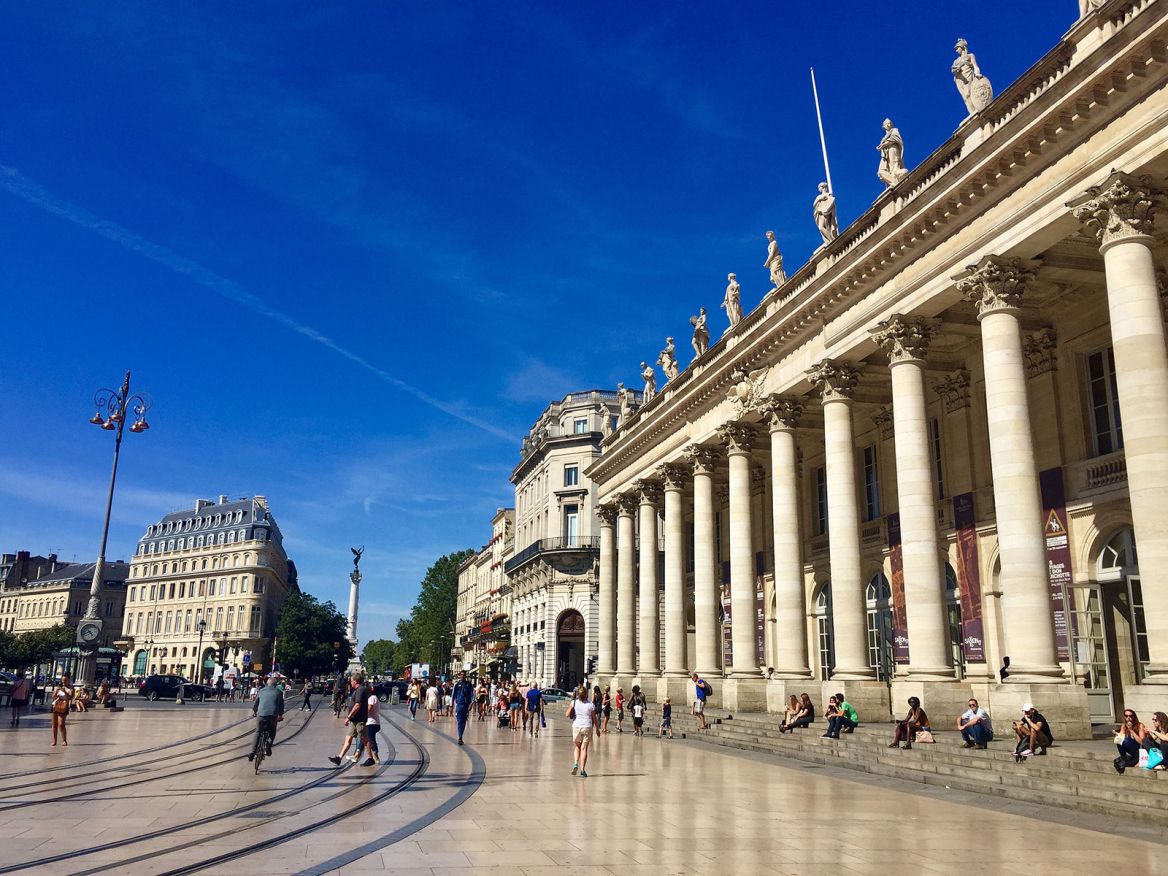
(727,637)
(969,579)
(1058,554)
(759,602)
(899,613)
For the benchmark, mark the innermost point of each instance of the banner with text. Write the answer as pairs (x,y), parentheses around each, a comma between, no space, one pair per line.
(899,613)
(1058,555)
(969,579)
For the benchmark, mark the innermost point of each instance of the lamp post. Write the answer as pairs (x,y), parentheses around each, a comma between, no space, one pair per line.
(201,626)
(116,404)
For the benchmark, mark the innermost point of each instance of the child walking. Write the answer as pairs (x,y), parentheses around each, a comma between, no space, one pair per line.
(666,719)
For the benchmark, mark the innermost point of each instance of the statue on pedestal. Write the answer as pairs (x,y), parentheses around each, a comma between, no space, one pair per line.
(732,303)
(823,209)
(355,582)
(650,378)
(974,88)
(625,397)
(667,359)
(701,334)
(774,261)
(605,421)
(891,149)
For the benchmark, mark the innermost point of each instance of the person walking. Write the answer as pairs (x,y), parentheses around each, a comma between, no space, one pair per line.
(514,702)
(414,694)
(534,707)
(606,708)
(19,696)
(340,690)
(268,710)
(372,725)
(462,695)
(701,691)
(355,721)
(583,715)
(433,701)
(219,688)
(306,692)
(638,704)
(666,719)
(59,705)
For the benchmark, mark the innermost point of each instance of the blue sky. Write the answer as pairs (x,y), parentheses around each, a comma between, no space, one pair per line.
(352,250)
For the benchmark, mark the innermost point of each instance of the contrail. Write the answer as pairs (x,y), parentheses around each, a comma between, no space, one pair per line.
(12,180)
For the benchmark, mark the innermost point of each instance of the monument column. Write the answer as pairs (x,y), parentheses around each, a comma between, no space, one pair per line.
(837,382)
(707,645)
(676,631)
(649,636)
(743,622)
(606,653)
(1121,212)
(996,286)
(626,589)
(790,602)
(906,339)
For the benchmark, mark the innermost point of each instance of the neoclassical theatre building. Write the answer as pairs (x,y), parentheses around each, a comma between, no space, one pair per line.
(934,460)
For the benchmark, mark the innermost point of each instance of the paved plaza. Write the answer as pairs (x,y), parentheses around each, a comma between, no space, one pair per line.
(167,790)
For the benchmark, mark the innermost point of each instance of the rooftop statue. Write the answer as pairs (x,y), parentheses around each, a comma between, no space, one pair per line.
(650,378)
(823,209)
(732,303)
(701,334)
(891,149)
(605,421)
(1087,6)
(774,261)
(625,397)
(667,359)
(974,88)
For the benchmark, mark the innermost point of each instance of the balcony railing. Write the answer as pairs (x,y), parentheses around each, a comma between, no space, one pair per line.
(551,545)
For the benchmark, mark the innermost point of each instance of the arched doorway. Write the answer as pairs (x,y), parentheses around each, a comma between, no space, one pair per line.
(140,663)
(824,635)
(878,596)
(1108,630)
(953,613)
(569,649)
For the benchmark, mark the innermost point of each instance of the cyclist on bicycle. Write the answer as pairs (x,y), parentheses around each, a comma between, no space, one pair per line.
(268,707)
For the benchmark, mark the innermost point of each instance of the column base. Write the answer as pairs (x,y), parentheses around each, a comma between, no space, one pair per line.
(1146,697)
(678,688)
(744,694)
(867,696)
(864,673)
(623,680)
(929,674)
(943,701)
(779,689)
(1064,706)
(1020,673)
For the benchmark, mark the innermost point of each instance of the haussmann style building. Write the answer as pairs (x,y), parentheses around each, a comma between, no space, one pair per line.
(939,446)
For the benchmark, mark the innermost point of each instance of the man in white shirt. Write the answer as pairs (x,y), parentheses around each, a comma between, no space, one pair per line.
(975,726)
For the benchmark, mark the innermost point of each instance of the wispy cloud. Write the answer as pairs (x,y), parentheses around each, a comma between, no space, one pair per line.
(13,181)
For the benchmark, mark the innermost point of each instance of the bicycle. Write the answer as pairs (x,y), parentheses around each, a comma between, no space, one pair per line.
(263,742)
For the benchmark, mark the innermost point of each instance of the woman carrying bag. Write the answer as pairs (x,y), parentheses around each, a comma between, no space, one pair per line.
(62,697)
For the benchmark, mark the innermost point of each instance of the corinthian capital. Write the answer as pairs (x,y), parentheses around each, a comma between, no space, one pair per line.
(649,491)
(737,436)
(673,475)
(1122,207)
(703,457)
(994,284)
(954,390)
(836,380)
(626,504)
(783,412)
(606,511)
(905,338)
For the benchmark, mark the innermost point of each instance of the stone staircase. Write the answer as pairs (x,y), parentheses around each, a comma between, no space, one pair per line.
(1075,776)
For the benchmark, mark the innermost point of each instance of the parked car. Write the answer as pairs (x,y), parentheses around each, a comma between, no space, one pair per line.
(383,688)
(7,680)
(555,694)
(155,687)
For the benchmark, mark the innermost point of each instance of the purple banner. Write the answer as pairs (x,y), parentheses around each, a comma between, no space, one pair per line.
(727,634)
(899,613)
(1058,554)
(759,603)
(969,579)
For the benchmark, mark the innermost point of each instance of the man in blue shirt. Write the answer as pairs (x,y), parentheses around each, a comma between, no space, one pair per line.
(463,695)
(699,709)
(534,699)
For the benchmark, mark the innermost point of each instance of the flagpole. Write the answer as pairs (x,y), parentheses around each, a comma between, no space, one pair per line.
(822,140)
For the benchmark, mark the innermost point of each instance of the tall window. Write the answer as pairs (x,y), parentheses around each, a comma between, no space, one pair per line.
(820,500)
(580,426)
(571,524)
(255,619)
(935,447)
(166,628)
(187,622)
(230,617)
(879,599)
(823,631)
(871,484)
(1105,422)
(571,475)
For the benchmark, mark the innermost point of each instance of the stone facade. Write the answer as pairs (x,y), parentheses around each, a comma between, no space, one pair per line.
(937,444)
(16,570)
(482,624)
(219,561)
(60,595)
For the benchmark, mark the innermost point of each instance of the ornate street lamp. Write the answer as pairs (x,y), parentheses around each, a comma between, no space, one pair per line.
(117,406)
(202,671)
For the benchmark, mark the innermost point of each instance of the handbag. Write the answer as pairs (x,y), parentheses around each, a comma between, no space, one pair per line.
(60,706)
(925,736)
(1155,758)
(542,721)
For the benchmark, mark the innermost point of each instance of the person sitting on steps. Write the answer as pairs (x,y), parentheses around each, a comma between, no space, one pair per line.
(914,721)
(1129,739)
(975,726)
(846,719)
(802,717)
(1033,734)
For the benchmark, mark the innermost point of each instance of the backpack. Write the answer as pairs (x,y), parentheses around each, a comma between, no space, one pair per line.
(709,688)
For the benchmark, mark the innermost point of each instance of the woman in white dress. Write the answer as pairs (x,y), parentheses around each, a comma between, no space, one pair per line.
(433,702)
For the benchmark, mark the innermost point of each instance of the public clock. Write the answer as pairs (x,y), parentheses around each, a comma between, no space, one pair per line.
(88,632)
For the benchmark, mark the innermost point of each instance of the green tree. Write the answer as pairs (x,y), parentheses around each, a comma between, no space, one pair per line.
(311,637)
(25,650)
(378,656)
(428,634)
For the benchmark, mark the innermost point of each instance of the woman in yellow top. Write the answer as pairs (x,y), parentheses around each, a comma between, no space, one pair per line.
(59,704)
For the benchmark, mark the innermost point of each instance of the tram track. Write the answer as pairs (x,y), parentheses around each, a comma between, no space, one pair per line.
(199,762)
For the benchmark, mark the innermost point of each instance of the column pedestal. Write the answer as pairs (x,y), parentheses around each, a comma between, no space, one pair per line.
(868,698)
(744,694)
(679,689)
(1064,706)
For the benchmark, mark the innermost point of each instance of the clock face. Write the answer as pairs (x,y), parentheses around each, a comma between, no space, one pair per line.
(89,632)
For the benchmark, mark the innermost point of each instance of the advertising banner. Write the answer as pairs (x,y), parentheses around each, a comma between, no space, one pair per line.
(760,611)
(969,579)
(899,614)
(1058,555)
(727,637)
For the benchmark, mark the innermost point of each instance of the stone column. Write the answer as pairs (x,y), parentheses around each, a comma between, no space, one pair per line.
(790,603)
(649,635)
(676,632)
(906,339)
(606,652)
(626,588)
(996,286)
(707,646)
(738,438)
(1121,213)
(837,381)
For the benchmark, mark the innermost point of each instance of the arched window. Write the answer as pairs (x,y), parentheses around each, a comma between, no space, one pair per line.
(953,612)
(1118,561)
(825,637)
(878,595)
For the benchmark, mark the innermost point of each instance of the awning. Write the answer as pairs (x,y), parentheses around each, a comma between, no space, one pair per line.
(511,653)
